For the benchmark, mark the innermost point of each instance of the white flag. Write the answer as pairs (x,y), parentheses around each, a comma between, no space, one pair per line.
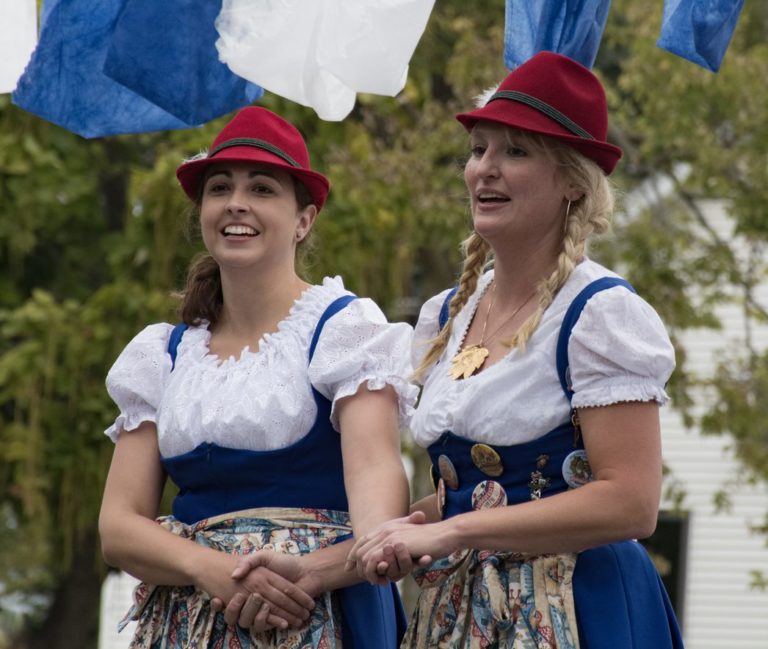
(18,38)
(320,53)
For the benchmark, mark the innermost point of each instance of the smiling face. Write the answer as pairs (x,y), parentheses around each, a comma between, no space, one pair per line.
(517,192)
(249,216)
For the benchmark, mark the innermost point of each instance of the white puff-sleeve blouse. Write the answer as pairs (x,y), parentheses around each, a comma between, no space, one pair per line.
(262,400)
(618,351)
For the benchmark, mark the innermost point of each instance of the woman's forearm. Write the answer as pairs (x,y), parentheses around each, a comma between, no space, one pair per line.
(131,539)
(142,548)
(592,515)
(376,495)
(324,569)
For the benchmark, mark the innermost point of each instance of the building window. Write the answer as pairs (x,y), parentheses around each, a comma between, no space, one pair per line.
(668,549)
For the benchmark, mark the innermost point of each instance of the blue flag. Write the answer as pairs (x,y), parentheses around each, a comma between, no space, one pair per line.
(64,83)
(165,51)
(699,30)
(573,28)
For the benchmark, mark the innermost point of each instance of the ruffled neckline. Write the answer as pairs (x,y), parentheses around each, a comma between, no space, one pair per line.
(300,320)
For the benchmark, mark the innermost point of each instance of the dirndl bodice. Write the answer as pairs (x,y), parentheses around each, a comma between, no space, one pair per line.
(289,500)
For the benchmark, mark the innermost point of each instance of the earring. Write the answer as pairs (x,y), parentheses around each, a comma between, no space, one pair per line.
(565,220)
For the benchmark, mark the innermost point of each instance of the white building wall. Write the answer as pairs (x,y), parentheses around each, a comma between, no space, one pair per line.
(721,611)
(116,598)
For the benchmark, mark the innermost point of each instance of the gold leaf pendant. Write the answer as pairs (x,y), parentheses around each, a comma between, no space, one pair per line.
(468,361)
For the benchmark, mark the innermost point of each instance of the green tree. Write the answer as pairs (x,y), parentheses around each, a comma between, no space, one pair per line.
(690,135)
(706,137)
(75,271)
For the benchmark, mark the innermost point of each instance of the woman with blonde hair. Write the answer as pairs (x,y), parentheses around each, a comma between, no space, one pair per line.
(542,379)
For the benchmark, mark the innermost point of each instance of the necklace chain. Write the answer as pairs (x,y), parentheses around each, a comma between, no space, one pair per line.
(483,339)
(470,359)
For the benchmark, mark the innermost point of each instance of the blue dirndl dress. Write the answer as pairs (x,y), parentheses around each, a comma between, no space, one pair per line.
(289,500)
(609,597)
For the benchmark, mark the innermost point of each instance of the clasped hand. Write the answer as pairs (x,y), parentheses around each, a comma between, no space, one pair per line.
(281,590)
(388,552)
(281,593)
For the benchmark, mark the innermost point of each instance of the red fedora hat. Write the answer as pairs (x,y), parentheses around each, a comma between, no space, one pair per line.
(256,134)
(554,96)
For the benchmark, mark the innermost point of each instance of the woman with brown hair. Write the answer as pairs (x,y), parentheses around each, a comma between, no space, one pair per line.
(275,409)
(542,379)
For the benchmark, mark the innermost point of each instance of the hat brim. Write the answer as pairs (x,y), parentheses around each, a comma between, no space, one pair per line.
(190,174)
(524,118)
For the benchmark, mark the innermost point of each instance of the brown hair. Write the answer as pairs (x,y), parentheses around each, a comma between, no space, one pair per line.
(202,298)
(587,216)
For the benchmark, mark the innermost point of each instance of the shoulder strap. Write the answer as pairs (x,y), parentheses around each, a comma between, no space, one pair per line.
(174,340)
(569,322)
(332,309)
(444,310)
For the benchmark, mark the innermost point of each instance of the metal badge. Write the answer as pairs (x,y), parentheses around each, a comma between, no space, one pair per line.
(487,460)
(537,484)
(448,472)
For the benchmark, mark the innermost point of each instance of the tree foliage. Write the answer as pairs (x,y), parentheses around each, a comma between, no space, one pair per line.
(93,239)
(690,135)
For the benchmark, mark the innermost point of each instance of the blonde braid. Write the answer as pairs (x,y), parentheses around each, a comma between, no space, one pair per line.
(475,251)
(572,251)
(589,215)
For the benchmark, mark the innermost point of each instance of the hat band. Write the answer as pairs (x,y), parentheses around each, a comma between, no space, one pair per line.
(545,108)
(259,144)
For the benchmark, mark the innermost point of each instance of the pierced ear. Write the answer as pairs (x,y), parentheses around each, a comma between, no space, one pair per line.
(307,218)
(573,194)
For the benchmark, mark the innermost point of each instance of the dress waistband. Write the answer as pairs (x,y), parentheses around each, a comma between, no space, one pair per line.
(470,475)
(213,480)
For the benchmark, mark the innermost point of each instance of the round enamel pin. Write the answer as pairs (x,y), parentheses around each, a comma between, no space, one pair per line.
(488,494)
(576,469)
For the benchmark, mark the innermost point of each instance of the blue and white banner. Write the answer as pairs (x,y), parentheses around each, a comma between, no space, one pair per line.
(103,67)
